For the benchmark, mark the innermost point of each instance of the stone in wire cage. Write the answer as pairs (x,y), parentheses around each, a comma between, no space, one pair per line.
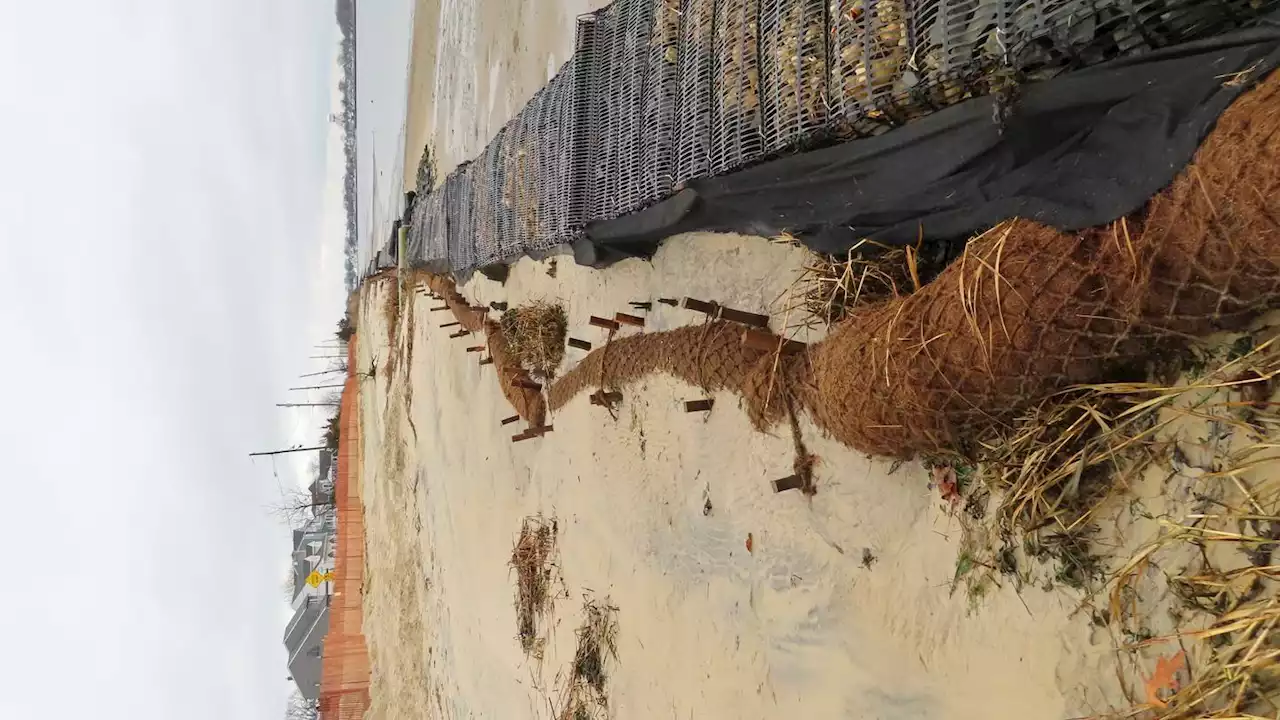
(661,92)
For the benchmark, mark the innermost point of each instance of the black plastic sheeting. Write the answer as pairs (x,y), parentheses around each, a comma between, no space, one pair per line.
(1079,150)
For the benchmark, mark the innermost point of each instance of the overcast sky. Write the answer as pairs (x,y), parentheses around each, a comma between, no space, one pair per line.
(172,249)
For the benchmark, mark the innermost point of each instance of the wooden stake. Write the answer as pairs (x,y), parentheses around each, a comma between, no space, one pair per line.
(706,308)
(461,333)
(631,320)
(744,317)
(669,301)
(509,420)
(476,348)
(605,323)
(699,405)
(768,342)
(452,324)
(439,309)
(641,305)
(580,344)
(793,482)
(718,311)
(605,399)
(486,361)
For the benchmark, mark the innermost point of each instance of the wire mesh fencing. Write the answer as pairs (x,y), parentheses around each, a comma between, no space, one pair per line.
(661,92)
(695,68)
(662,89)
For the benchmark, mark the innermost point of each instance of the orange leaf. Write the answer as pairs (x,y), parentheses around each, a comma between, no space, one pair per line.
(945,479)
(1165,677)
(750,544)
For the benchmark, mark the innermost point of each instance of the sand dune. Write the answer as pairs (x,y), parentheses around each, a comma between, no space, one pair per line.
(654,509)
(471,75)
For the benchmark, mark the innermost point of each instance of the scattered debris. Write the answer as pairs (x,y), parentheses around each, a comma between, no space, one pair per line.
(585,696)
(944,478)
(868,558)
(1184,565)
(535,336)
(534,558)
(1164,680)
(831,287)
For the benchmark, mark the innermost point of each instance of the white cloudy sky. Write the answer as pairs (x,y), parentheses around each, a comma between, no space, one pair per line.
(171,252)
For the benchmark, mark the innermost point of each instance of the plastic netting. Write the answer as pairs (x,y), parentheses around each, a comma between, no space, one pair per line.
(660,92)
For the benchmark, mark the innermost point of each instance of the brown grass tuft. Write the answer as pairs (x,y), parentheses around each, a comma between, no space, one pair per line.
(533,559)
(535,335)
(1194,573)
(585,696)
(831,287)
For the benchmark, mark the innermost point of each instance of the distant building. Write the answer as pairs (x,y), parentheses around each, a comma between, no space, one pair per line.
(321,496)
(314,549)
(304,640)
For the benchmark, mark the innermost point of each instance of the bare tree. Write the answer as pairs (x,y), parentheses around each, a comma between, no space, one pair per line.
(300,708)
(287,585)
(298,506)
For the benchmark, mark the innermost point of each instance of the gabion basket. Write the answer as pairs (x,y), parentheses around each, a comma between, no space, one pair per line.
(735,100)
(661,92)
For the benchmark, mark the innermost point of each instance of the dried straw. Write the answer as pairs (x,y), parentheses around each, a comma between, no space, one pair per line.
(831,287)
(535,335)
(585,696)
(533,559)
(1064,465)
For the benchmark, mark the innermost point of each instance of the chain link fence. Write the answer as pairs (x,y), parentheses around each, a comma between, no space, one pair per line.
(660,92)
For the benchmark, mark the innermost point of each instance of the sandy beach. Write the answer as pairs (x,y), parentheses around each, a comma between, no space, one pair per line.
(840,609)
(731,600)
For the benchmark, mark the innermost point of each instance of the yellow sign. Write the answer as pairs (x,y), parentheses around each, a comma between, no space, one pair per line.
(315,578)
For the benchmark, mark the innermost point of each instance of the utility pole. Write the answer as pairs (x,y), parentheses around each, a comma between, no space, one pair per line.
(293,450)
(307,404)
(324,372)
(319,387)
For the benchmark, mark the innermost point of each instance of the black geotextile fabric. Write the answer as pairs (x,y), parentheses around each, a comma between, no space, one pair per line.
(1079,150)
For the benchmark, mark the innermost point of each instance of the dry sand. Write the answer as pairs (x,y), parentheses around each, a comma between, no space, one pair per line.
(801,627)
(422,77)
(471,75)
(844,608)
